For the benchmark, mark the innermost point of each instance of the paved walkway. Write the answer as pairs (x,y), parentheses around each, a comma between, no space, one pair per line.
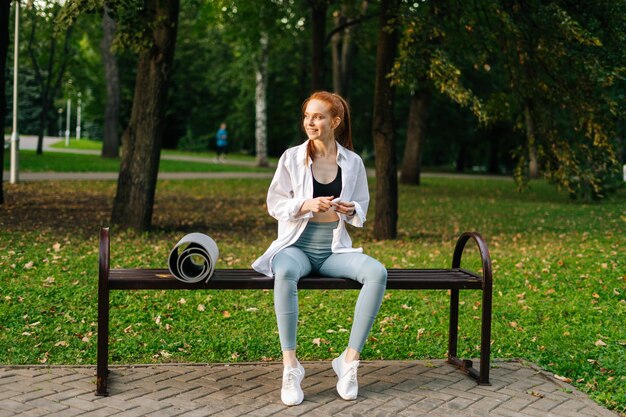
(30,142)
(387,388)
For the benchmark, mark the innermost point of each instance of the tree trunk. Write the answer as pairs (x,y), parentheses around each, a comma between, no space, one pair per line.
(49,80)
(461,157)
(495,134)
(318,22)
(533,165)
(342,52)
(415,137)
(111,142)
(336,41)
(43,119)
(261,102)
(142,138)
(385,224)
(5,9)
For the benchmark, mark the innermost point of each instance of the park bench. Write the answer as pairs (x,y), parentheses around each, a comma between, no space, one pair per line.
(453,279)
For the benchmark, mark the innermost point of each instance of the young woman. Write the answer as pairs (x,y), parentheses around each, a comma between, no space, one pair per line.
(318,187)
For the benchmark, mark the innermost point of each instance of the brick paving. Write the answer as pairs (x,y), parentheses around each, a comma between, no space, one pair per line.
(386,388)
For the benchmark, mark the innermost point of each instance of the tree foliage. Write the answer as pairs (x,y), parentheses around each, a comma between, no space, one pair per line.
(555,69)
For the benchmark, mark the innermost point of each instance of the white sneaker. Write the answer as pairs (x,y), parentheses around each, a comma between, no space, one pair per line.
(347,385)
(291,393)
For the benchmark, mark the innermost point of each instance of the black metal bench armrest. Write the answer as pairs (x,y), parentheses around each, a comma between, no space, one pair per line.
(484,255)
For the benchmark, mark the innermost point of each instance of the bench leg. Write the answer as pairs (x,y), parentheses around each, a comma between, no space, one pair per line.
(103,343)
(453,333)
(453,337)
(466,365)
(485,337)
(102,365)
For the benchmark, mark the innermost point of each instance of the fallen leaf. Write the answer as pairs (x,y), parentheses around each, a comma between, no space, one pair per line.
(201,307)
(599,342)
(62,343)
(85,339)
(28,265)
(317,341)
(330,331)
(536,394)
(158,320)
(182,301)
(562,378)
(56,247)
(225,314)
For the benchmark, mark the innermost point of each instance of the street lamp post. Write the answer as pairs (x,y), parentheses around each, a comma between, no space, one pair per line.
(78,108)
(15,137)
(67,122)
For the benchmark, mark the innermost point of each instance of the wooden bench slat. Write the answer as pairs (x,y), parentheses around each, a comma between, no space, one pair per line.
(237,279)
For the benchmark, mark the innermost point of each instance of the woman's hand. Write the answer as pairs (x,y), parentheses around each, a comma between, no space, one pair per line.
(344,207)
(317,205)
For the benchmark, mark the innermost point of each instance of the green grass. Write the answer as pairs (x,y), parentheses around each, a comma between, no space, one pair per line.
(83,144)
(67,162)
(87,144)
(559,279)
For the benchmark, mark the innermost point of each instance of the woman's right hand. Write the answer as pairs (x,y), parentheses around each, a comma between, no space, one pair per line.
(317,205)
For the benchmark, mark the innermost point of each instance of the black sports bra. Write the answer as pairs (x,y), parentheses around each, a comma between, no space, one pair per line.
(333,188)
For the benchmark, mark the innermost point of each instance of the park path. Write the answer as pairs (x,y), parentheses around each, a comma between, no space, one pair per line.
(30,142)
(386,389)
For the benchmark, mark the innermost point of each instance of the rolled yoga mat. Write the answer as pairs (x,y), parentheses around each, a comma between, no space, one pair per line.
(193,258)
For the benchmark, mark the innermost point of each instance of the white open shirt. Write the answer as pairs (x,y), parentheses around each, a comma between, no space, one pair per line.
(293,184)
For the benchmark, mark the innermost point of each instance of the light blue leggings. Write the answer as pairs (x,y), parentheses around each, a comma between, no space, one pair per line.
(312,253)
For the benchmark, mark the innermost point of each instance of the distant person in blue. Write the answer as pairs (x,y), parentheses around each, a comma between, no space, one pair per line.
(222,142)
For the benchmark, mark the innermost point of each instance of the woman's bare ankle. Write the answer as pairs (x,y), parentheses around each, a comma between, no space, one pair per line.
(289,358)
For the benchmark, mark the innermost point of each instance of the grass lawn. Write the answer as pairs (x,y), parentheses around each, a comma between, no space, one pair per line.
(559,279)
(87,144)
(67,162)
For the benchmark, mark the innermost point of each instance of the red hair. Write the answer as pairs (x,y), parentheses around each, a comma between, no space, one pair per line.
(338,108)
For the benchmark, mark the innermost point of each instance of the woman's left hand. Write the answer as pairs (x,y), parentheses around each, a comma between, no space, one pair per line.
(344,207)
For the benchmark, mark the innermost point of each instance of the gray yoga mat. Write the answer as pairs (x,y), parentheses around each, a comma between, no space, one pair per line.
(193,258)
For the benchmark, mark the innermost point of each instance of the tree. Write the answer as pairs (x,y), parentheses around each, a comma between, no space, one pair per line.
(551,70)
(134,198)
(343,46)
(261,102)
(48,63)
(149,27)
(319,10)
(415,137)
(5,8)
(385,223)
(111,140)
